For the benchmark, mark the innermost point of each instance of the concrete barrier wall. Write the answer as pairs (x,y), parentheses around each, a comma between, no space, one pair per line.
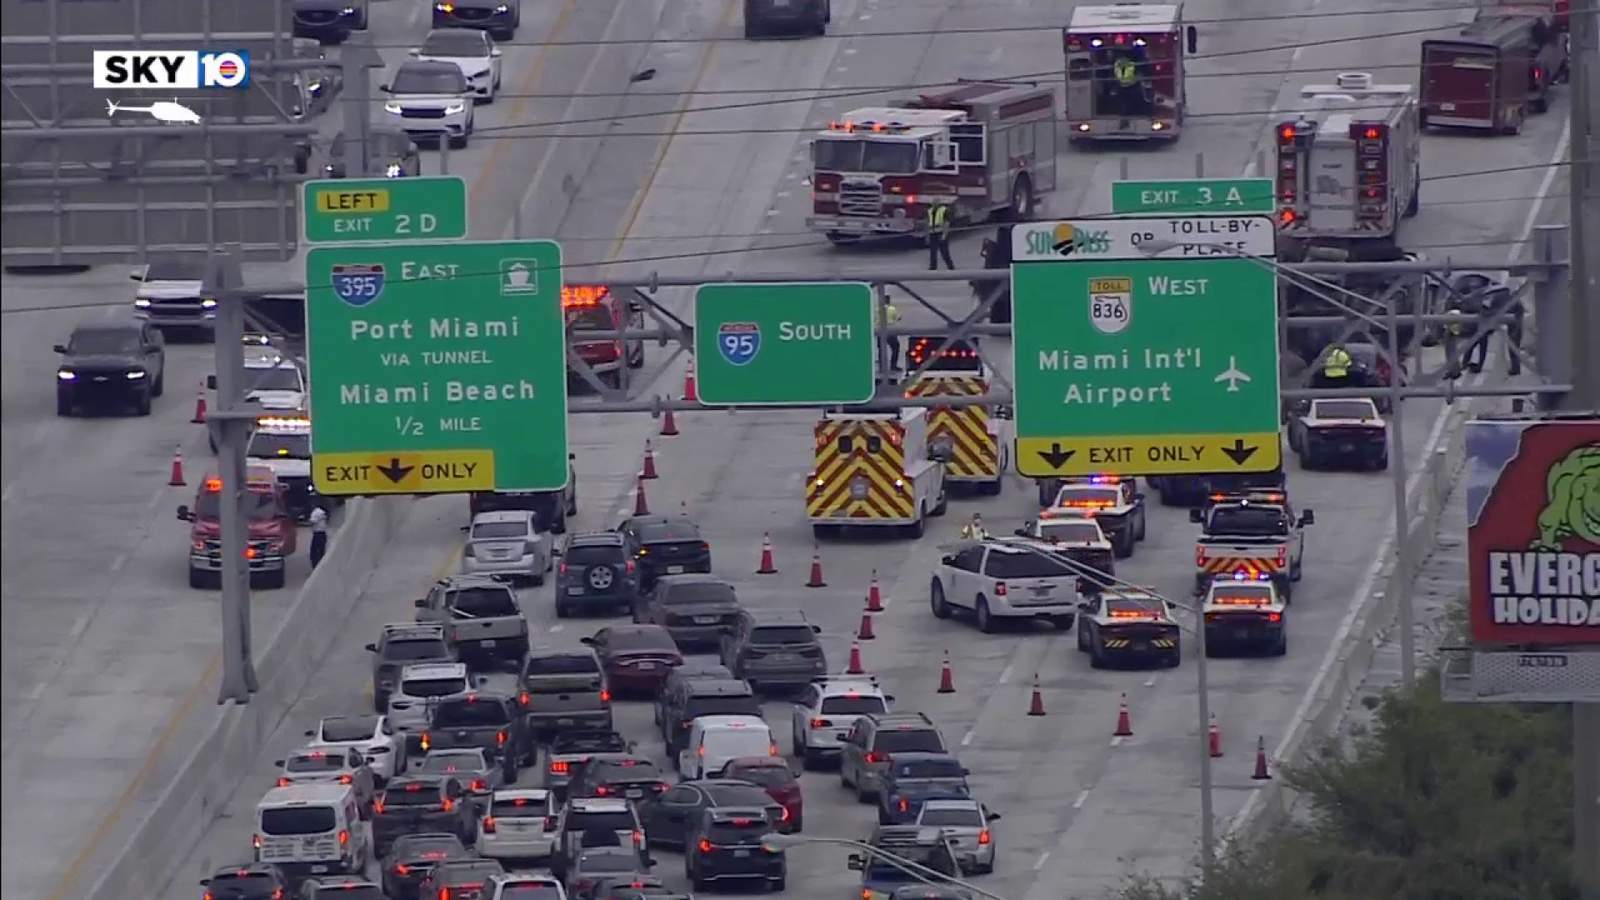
(210,774)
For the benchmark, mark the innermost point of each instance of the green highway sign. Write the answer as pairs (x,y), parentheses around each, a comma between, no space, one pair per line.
(771,344)
(1184,196)
(356,210)
(437,367)
(1145,346)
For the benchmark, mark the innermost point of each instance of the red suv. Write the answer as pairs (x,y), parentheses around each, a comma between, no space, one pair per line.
(592,307)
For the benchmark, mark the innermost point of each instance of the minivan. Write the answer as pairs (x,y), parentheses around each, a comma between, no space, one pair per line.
(310,829)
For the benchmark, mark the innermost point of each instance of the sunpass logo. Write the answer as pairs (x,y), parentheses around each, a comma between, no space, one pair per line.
(1066,241)
(126,70)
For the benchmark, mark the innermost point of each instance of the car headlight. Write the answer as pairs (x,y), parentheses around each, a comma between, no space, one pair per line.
(135,375)
(208,303)
(445,7)
(392,107)
(141,303)
(452,109)
(393,170)
(483,74)
(349,10)
(66,375)
(502,8)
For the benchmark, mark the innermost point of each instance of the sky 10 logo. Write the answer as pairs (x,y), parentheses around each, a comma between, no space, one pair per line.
(158,70)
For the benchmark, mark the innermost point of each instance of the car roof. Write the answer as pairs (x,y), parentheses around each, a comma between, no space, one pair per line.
(300,794)
(924,756)
(250,868)
(840,687)
(119,327)
(778,617)
(503,515)
(429,66)
(455,582)
(906,834)
(953,803)
(646,520)
(900,718)
(521,794)
(719,687)
(372,720)
(410,629)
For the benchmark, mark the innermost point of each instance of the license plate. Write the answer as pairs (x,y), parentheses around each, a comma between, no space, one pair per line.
(319,869)
(635,793)
(674,570)
(741,854)
(705,620)
(841,735)
(574,591)
(647,666)
(566,722)
(1347,448)
(489,644)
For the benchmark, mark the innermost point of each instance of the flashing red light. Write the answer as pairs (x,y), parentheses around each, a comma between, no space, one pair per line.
(1372,134)
(1286,134)
(705,846)
(488,824)
(1287,217)
(574,296)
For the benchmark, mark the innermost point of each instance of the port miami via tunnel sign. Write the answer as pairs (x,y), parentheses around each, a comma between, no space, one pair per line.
(1145,347)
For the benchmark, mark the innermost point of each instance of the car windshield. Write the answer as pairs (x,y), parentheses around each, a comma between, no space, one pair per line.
(728,706)
(243,884)
(853,704)
(1026,565)
(499,530)
(967,816)
(934,857)
(929,768)
(889,157)
(642,639)
(607,820)
(298,820)
(315,762)
(731,742)
(427,80)
(589,318)
(433,687)
(1345,409)
(588,742)
(1091,496)
(909,740)
(564,664)
(259,506)
(469,712)
(669,532)
(275,378)
(427,648)
(1148,606)
(517,808)
(589,556)
(608,859)
(279,446)
(427,846)
(1258,521)
(454,43)
(104,341)
(450,762)
(483,602)
(175,270)
(766,776)
(349,728)
(738,830)
(605,771)
(413,794)
(699,592)
(1071,532)
(783,634)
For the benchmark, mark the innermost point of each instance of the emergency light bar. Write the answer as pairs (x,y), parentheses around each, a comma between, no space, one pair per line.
(581,295)
(1245,575)
(1135,614)
(284,424)
(848,127)
(1241,601)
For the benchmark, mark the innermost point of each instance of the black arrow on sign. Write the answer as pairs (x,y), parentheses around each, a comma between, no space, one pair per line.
(1239,452)
(394,471)
(1056,456)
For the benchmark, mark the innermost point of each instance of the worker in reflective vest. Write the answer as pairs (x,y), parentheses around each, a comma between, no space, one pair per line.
(939,236)
(891,343)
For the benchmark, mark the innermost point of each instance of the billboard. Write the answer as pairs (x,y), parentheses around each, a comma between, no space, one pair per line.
(1533,531)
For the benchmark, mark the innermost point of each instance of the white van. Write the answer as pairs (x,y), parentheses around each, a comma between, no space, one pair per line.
(311,829)
(713,740)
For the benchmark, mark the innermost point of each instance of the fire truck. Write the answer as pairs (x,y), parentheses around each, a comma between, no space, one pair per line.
(1350,167)
(1491,74)
(592,307)
(873,469)
(1125,71)
(973,441)
(982,147)
(271,536)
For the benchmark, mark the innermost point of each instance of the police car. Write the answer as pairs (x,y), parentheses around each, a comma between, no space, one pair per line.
(1078,538)
(282,443)
(1113,501)
(1244,612)
(1128,624)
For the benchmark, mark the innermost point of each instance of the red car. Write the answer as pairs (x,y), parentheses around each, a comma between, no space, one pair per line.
(636,658)
(775,777)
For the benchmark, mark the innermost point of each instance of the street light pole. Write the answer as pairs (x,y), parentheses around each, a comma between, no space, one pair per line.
(1208,839)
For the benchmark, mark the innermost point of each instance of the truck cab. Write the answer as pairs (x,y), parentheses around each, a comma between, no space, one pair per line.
(271,537)
(1125,72)
(593,307)
(1252,535)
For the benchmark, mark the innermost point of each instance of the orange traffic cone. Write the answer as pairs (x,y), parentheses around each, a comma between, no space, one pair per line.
(641,507)
(1261,773)
(855,667)
(1214,738)
(177,469)
(649,461)
(816,570)
(1036,705)
(874,596)
(691,391)
(1124,722)
(865,632)
(766,567)
(669,425)
(947,678)
(200,405)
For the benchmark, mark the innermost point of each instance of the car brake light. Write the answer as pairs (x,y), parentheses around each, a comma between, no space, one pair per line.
(705,546)
(1282,556)
(444,893)
(500,738)
(377,807)
(821,723)
(402,869)
(255,841)
(983,837)
(560,766)
(772,750)
(283,781)
(630,567)
(524,698)
(447,805)
(638,838)
(549,823)
(206,896)
(1274,617)
(602,791)
(605,696)
(347,779)
(905,805)
(999,588)
(425,741)
(488,824)
(876,757)
(344,838)
(1199,555)
(562,570)
(705,846)
(478,784)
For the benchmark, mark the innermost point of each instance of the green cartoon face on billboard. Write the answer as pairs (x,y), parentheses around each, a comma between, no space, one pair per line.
(1572,500)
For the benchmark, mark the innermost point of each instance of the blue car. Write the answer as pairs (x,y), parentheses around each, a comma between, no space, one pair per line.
(929,848)
(914,777)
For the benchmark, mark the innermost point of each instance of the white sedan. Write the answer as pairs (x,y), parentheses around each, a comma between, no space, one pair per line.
(372,735)
(470,50)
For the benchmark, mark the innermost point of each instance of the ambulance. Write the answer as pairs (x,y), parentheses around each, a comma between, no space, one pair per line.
(873,470)
(974,441)
(1125,71)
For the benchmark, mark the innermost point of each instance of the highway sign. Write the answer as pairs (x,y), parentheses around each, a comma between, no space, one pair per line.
(1153,361)
(770,344)
(437,367)
(357,210)
(1230,196)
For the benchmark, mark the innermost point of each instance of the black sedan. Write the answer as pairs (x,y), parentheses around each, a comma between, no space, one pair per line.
(669,818)
(618,775)
(246,881)
(498,17)
(695,609)
(665,545)
(413,857)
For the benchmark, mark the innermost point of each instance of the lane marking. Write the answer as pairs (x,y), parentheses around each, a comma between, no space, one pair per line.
(1083,797)
(37,691)
(1150,682)
(555,628)
(541,57)
(5,497)
(80,625)
(117,564)
(966,739)
(1116,742)
(1005,674)
(1039,863)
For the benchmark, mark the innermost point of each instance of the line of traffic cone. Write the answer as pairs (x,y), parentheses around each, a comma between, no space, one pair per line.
(691,390)
(864,633)
(855,667)
(641,506)
(1214,738)
(200,405)
(947,677)
(1261,773)
(649,470)
(766,567)
(874,596)
(669,425)
(176,478)
(815,581)
(1036,704)
(1124,720)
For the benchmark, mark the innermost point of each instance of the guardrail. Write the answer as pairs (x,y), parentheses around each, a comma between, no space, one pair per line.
(209,776)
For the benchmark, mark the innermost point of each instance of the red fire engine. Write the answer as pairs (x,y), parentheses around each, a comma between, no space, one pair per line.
(1125,71)
(981,147)
(592,307)
(1492,74)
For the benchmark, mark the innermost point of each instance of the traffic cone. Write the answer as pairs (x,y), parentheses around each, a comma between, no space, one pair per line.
(855,667)
(200,405)
(947,678)
(177,469)
(641,507)
(865,632)
(766,567)
(669,425)
(649,461)
(1214,738)
(874,596)
(816,570)
(1261,773)
(1036,705)
(691,391)
(1124,722)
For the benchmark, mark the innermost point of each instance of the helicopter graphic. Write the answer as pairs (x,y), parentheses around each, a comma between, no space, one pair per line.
(169,111)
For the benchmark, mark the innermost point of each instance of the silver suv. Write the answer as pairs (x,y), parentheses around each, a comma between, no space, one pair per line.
(404,644)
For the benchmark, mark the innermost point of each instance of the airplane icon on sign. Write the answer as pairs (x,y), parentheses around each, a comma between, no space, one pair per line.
(1232,376)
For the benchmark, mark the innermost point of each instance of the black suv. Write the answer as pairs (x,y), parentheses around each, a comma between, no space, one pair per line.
(726,844)
(703,697)
(400,645)
(110,364)
(695,609)
(665,545)
(413,857)
(596,572)
(246,881)
(417,804)
(774,647)
(489,721)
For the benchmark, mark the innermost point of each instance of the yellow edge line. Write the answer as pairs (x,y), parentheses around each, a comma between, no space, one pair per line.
(535,72)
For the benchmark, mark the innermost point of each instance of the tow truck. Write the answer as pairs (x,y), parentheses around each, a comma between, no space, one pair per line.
(1492,73)
(1111,500)
(974,441)
(1103,42)
(271,537)
(593,307)
(981,147)
(1349,167)
(1254,535)
(1340,429)
(281,444)
(1242,611)
(873,469)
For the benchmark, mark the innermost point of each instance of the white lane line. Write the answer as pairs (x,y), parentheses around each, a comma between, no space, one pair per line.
(864,17)
(1150,682)
(624,510)
(1116,742)
(1544,188)
(556,628)
(1043,858)
(155,499)
(117,564)
(966,739)
(781,194)
(1005,674)
(80,625)
(1083,797)
(6,496)
(36,692)
(772,212)
(850,51)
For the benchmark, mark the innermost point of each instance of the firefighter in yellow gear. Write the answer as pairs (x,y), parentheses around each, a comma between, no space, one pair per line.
(939,236)
(974,530)
(891,343)
(1126,72)
(1337,363)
